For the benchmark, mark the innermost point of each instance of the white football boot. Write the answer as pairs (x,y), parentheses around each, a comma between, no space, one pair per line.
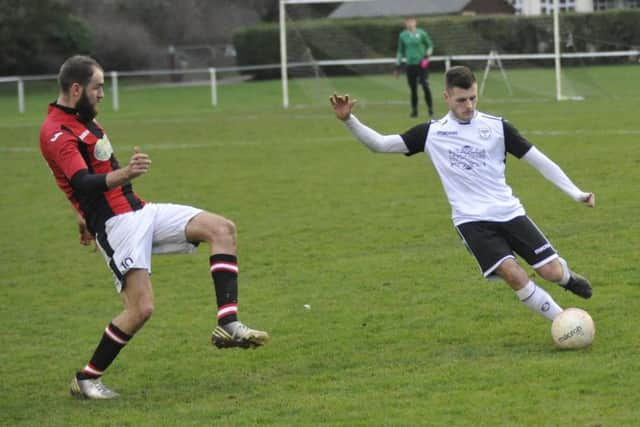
(91,389)
(236,334)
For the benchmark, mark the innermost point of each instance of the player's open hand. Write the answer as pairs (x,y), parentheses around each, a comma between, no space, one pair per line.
(342,105)
(590,200)
(138,164)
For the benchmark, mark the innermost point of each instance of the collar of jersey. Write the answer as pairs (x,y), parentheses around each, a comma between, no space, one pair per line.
(455,119)
(68,110)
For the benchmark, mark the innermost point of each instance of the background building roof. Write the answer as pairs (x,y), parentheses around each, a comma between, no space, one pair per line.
(377,8)
(398,8)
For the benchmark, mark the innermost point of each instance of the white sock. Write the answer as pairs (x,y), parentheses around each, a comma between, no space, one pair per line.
(539,300)
(566,273)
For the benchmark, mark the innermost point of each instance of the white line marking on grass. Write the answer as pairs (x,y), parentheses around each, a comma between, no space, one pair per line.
(176,146)
(20,125)
(180,120)
(17,149)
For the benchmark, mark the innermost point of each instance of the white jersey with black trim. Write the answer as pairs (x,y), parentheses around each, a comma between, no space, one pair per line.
(470,160)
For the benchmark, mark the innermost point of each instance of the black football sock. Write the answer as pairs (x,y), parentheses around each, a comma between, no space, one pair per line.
(224,270)
(113,340)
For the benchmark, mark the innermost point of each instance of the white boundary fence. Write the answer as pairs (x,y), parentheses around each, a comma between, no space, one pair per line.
(213,73)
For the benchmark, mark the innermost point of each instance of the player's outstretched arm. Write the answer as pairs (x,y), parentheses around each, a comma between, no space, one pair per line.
(556,175)
(139,164)
(86,182)
(376,142)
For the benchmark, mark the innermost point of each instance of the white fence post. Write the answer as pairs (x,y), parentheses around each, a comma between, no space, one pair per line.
(114,90)
(214,86)
(20,95)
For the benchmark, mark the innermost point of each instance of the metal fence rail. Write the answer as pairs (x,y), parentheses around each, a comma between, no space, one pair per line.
(213,73)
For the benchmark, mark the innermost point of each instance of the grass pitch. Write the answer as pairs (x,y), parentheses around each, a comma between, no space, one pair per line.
(401,329)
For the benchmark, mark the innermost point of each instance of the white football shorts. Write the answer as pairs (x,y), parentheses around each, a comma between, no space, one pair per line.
(130,239)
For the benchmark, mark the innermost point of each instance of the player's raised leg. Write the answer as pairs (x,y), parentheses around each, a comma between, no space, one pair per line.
(530,294)
(220,233)
(558,271)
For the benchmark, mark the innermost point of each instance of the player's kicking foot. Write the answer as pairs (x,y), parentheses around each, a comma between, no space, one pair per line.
(91,389)
(236,334)
(579,286)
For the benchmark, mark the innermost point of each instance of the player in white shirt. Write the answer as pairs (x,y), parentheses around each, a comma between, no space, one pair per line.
(468,148)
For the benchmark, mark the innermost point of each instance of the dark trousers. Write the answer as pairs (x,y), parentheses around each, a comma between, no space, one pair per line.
(416,74)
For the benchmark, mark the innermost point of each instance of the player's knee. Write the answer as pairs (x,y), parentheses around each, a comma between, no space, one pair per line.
(512,273)
(510,277)
(144,311)
(223,229)
(141,309)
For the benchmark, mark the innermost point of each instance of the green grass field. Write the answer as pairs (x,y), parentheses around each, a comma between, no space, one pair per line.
(402,329)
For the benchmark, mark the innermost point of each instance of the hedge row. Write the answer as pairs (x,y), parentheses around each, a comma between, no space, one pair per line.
(35,36)
(452,35)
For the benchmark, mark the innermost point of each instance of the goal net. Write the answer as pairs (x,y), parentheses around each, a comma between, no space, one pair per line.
(316,57)
(561,56)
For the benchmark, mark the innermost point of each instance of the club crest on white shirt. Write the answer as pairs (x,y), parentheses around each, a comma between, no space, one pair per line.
(103,150)
(484,133)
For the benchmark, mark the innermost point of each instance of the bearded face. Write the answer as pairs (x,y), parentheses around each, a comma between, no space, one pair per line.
(87,110)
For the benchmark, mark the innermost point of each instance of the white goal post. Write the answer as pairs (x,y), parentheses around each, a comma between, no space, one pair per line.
(283,41)
(558,55)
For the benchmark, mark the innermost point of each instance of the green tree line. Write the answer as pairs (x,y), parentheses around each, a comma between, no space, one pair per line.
(36,35)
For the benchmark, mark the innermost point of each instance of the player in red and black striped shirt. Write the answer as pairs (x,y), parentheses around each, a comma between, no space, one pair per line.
(126,229)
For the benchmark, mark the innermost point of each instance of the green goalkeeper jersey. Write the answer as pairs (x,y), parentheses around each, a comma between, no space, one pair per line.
(413,46)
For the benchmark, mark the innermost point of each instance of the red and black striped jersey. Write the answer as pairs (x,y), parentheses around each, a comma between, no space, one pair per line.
(70,146)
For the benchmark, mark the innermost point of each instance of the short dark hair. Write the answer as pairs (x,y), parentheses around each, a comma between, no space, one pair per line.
(459,76)
(77,69)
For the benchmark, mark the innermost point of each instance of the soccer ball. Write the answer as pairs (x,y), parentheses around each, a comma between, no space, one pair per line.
(573,329)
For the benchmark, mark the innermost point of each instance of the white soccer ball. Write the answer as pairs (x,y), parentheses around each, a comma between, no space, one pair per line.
(573,329)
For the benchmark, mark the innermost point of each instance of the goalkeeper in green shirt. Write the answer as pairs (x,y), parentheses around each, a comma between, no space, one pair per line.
(415,47)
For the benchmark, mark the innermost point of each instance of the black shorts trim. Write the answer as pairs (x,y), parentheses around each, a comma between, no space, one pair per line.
(103,241)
